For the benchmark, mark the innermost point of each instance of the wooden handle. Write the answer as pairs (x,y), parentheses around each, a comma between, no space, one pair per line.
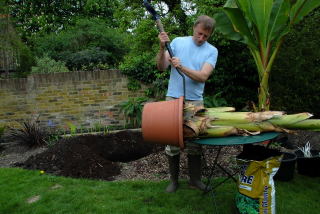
(159,25)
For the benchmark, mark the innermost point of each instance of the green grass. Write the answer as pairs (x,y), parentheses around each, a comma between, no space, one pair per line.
(129,197)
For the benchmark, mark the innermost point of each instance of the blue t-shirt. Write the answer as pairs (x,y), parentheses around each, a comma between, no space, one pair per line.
(193,57)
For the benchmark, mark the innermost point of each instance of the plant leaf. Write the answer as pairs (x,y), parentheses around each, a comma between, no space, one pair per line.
(240,23)
(301,8)
(225,27)
(279,19)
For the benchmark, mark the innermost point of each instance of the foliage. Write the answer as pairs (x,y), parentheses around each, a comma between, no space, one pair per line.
(27,59)
(72,128)
(214,101)
(36,18)
(158,88)
(12,47)
(30,134)
(298,61)
(132,110)
(140,62)
(133,84)
(52,139)
(262,25)
(48,65)
(142,67)
(90,42)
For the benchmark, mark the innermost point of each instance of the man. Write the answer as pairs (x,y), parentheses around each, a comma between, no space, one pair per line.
(196,59)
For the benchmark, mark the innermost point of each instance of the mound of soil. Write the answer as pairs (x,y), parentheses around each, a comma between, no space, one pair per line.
(91,156)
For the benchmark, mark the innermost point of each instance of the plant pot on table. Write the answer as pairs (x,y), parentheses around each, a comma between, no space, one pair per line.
(287,167)
(309,166)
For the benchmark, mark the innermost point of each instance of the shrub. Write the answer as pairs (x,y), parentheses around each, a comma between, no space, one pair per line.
(30,134)
(214,101)
(132,110)
(89,42)
(48,65)
(19,55)
(27,60)
(158,89)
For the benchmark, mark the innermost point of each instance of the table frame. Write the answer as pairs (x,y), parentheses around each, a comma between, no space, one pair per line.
(222,142)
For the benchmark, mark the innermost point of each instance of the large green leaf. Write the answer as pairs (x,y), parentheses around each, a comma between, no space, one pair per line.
(225,27)
(279,19)
(301,8)
(261,11)
(240,25)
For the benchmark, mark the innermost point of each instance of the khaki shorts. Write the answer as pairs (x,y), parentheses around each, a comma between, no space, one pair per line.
(191,148)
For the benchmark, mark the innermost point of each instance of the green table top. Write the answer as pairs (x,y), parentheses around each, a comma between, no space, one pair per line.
(237,140)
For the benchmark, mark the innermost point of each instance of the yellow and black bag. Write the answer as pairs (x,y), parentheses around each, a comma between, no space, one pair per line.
(256,189)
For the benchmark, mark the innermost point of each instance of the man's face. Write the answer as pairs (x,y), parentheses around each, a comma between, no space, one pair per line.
(200,35)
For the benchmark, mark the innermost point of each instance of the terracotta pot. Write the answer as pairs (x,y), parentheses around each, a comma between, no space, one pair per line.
(162,122)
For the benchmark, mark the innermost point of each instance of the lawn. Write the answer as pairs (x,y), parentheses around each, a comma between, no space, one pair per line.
(30,192)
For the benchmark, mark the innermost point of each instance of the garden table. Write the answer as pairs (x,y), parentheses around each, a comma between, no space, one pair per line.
(221,142)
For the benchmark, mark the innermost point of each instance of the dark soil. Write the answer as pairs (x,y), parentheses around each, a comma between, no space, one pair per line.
(91,156)
(119,156)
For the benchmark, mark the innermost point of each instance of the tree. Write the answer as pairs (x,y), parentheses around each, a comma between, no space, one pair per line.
(262,25)
(36,17)
(14,54)
(87,44)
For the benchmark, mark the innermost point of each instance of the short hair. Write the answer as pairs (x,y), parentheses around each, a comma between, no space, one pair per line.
(207,22)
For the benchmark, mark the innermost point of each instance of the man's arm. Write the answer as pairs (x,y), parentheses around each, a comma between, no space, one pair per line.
(163,55)
(199,76)
(163,59)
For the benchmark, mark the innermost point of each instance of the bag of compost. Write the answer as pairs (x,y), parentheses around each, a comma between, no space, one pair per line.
(256,190)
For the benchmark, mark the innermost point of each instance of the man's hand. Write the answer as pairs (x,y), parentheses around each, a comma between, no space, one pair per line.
(175,61)
(163,37)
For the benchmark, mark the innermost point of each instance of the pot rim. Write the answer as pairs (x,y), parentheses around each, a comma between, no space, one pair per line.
(292,157)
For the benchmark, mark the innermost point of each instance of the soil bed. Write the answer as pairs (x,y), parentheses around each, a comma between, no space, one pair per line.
(117,156)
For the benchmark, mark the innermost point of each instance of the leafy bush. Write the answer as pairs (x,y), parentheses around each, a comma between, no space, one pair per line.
(48,65)
(158,89)
(132,110)
(214,101)
(30,134)
(11,43)
(89,42)
(91,58)
(27,60)
(142,66)
(133,84)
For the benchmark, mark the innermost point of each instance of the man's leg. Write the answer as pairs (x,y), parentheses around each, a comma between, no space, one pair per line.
(194,164)
(194,152)
(173,155)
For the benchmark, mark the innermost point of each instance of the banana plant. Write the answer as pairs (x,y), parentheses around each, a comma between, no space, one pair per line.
(262,26)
